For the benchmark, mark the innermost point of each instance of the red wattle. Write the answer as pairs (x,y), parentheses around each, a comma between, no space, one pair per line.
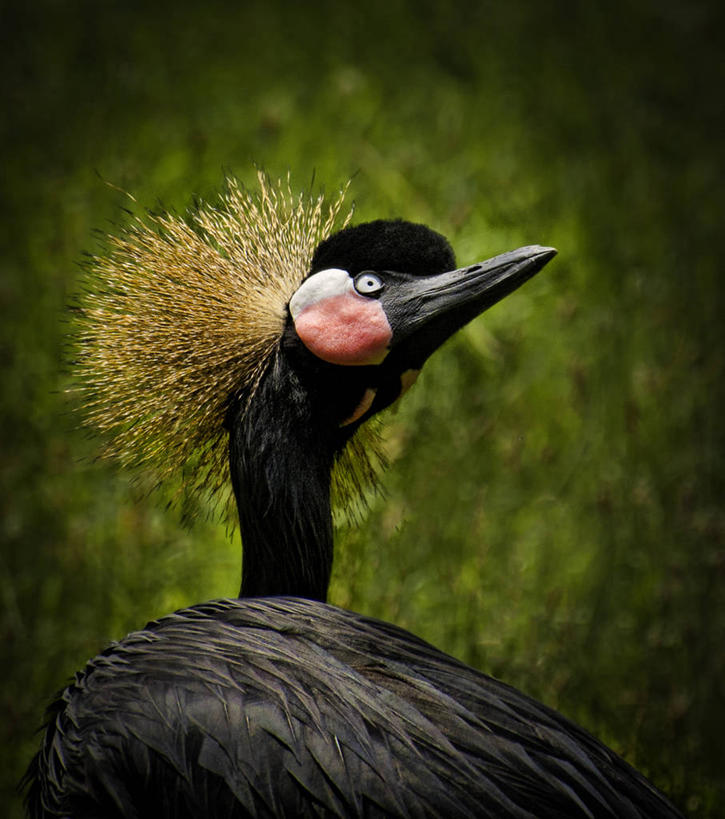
(345,329)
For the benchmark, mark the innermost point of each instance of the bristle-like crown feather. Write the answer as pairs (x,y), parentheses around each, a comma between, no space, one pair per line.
(181,317)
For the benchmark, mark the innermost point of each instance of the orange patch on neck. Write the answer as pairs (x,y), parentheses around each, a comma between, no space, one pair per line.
(407,379)
(365,403)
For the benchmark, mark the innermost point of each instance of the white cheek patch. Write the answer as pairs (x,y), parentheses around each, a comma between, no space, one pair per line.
(336,323)
(322,285)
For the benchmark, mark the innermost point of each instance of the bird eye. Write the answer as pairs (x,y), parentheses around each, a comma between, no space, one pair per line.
(368,284)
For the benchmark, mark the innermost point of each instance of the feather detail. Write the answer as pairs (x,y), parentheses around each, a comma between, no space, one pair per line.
(180,317)
(297,708)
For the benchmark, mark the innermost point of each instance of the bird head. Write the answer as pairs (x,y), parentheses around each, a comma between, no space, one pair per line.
(183,318)
(379,299)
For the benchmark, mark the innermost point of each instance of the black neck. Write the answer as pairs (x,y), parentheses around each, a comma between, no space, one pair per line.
(280,462)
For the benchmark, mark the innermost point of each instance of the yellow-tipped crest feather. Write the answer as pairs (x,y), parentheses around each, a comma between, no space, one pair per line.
(182,315)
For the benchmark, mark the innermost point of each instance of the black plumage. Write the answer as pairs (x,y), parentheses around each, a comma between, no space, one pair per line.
(277,704)
(289,707)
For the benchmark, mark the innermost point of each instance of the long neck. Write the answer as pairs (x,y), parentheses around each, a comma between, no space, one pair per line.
(280,467)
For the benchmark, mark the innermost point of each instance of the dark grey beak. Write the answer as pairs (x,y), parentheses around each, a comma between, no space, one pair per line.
(424,311)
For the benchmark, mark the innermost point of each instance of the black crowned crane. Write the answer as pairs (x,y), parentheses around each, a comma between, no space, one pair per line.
(251,317)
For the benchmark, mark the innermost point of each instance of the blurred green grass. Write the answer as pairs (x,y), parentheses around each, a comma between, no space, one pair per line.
(554,511)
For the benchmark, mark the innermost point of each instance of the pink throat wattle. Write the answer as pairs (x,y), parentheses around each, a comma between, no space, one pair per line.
(345,329)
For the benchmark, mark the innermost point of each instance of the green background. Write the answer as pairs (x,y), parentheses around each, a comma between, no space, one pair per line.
(554,510)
